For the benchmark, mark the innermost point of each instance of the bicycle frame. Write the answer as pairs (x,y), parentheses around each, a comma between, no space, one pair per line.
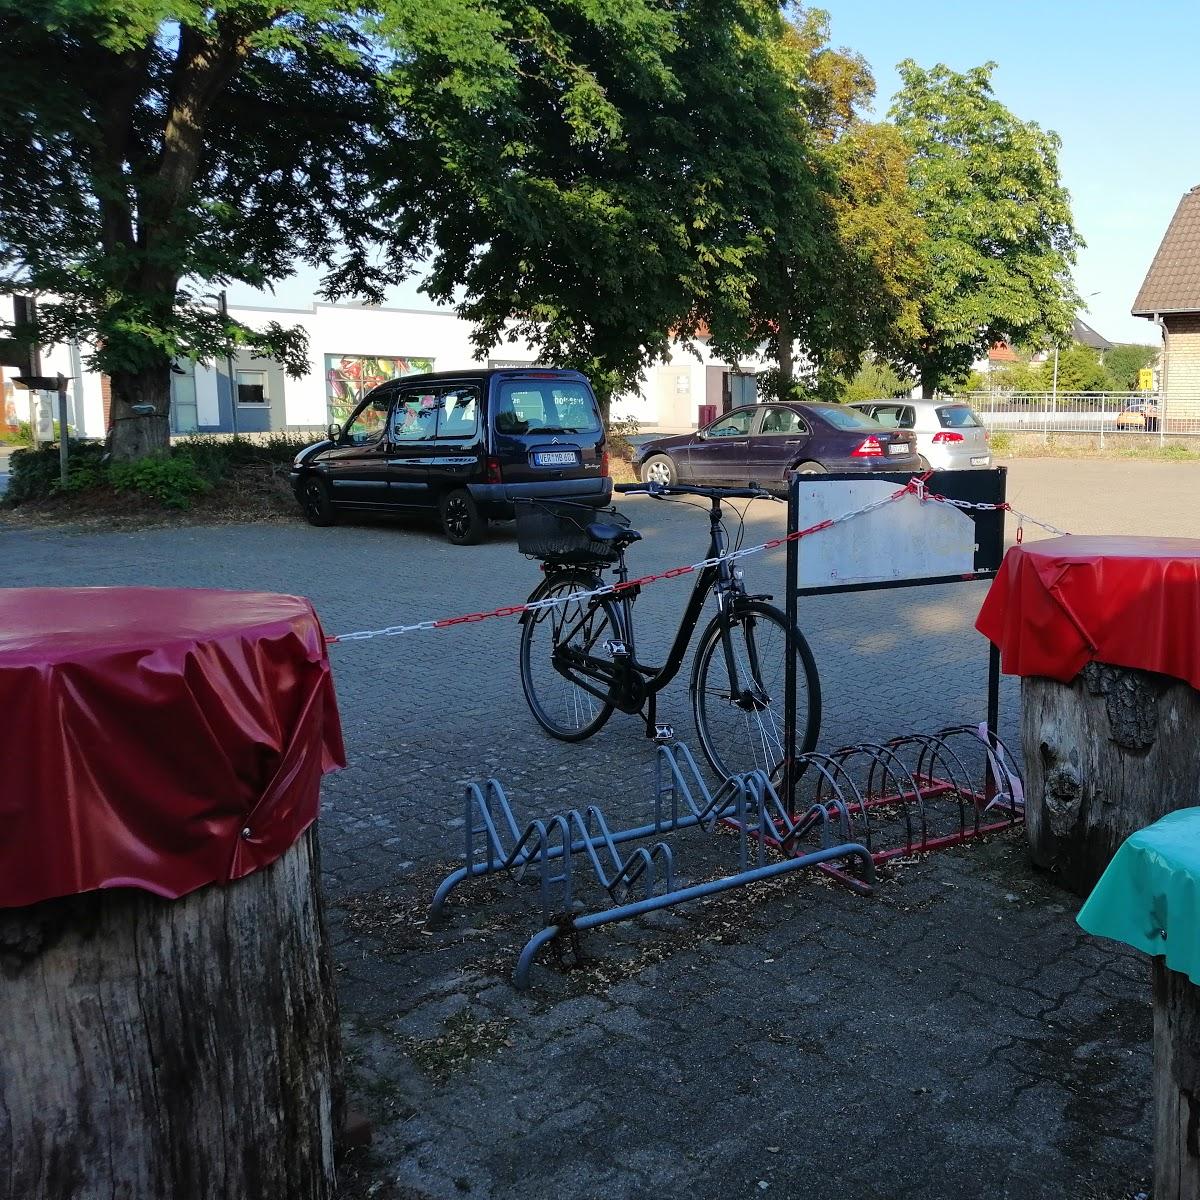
(632,684)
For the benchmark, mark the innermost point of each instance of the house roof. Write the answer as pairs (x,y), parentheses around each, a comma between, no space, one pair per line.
(1172,285)
(1083,333)
(1001,352)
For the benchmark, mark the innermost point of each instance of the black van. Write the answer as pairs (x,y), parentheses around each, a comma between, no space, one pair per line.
(466,443)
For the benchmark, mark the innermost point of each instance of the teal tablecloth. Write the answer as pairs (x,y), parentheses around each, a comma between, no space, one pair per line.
(1149,896)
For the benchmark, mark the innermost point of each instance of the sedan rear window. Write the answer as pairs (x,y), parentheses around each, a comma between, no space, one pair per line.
(546,406)
(957,416)
(841,417)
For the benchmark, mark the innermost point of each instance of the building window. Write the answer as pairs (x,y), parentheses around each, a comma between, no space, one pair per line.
(252,387)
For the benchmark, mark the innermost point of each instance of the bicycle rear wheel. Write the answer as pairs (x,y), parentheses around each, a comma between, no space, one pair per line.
(561,706)
(744,731)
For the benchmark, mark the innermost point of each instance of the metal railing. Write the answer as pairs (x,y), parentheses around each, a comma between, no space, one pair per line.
(1160,414)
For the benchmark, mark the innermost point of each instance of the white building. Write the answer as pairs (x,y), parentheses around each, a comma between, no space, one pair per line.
(351,349)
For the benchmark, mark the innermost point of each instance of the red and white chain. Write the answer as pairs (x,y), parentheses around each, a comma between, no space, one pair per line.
(915,487)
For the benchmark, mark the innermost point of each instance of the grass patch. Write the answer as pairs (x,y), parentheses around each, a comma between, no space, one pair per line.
(1118,446)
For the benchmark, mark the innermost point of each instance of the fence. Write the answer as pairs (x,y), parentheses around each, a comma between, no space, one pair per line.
(1142,414)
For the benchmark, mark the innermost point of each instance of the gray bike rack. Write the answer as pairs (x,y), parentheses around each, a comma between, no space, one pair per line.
(768,845)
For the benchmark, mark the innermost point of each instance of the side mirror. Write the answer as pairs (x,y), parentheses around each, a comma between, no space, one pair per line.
(335,432)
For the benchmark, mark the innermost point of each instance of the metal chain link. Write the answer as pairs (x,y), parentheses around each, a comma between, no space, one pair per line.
(915,487)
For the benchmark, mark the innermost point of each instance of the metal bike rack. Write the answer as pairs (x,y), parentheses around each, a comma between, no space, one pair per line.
(909,796)
(644,881)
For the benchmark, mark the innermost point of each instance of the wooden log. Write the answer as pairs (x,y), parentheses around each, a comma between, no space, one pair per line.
(187,1049)
(1105,755)
(1176,1085)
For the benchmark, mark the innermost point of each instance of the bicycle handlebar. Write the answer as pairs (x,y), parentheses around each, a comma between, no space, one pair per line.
(687,489)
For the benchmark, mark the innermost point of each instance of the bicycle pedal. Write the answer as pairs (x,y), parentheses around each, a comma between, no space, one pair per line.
(616,649)
(663,733)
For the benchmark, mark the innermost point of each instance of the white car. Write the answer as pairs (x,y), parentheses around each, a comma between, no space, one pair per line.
(950,435)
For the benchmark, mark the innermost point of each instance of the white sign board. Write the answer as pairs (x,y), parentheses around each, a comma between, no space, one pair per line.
(42,404)
(906,539)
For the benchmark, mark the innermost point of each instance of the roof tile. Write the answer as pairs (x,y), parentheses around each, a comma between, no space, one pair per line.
(1172,284)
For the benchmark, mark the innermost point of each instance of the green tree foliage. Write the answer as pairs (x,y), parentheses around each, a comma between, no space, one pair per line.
(1000,236)
(1123,363)
(153,151)
(1080,369)
(875,380)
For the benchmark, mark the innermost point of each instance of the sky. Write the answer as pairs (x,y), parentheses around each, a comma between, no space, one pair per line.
(1118,82)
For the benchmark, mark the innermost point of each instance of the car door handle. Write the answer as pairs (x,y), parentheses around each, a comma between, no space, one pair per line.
(794,441)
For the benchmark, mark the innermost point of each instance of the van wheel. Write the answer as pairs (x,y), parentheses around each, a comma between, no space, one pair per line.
(315,501)
(462,522)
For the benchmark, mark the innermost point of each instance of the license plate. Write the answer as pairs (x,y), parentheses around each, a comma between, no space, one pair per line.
(898,448)
(979,462)
(555,458)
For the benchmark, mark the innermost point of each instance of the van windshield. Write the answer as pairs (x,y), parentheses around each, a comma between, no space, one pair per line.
(546,406)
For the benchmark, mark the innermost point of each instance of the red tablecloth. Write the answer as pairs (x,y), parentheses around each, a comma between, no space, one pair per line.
(1061,603)
(156,738)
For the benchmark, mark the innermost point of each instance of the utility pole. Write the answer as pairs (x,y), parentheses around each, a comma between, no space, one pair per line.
(229,365)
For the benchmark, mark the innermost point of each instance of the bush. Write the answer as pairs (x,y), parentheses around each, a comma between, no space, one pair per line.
(619,434)
(172,480)
(214,456)
(35,473)
(1002,443)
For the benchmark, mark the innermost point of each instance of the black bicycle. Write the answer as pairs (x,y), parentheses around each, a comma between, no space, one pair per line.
(579,655)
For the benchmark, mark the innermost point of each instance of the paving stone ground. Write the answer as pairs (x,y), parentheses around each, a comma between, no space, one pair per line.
(955,1035)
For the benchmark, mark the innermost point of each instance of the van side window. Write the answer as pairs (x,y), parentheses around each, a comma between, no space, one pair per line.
(458,413)
(414,418)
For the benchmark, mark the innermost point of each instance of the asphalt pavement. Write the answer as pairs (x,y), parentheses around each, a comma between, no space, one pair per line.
(955,1036)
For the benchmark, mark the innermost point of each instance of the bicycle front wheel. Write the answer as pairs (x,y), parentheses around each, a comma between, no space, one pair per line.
(741,722)
(550,639)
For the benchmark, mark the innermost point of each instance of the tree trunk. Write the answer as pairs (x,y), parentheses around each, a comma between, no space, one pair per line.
(787,367)
(1105,755)
(187,1049)
(928,386)
(1176,1085)
(137,435)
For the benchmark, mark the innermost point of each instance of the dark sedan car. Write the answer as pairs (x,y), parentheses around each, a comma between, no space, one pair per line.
(763,442)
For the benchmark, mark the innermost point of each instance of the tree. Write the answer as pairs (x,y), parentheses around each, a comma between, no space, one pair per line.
(1123,362)
(155,151)
(875,380)
(1080,369)
(148,158)
(602,211)
(1000,236)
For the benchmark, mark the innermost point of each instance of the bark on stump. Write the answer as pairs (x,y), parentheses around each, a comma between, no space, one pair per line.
(1105,755)
(1176,1085)
(186,1049)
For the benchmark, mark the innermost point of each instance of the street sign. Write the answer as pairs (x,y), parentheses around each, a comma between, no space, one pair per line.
(1146,379)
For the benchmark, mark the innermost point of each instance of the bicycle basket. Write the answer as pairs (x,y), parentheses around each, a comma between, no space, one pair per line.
(557,531)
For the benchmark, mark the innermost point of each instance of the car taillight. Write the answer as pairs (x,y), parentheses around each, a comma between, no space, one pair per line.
(947,437)
(987,435)
(493,474)
(604,463)
(869,449)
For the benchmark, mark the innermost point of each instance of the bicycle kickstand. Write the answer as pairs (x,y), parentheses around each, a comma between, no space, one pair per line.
(660,732)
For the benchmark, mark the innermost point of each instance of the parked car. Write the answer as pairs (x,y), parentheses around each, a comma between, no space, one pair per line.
(763,442)
(464,444)
(950,436)
(1142,415)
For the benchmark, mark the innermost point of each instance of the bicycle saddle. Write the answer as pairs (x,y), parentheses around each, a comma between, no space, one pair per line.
(618,535)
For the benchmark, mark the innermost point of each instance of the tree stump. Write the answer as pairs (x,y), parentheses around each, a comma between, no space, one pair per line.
(1176,1085)
(1105,755)
(172,1049)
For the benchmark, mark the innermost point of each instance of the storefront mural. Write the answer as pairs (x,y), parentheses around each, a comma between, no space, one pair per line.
(349,377)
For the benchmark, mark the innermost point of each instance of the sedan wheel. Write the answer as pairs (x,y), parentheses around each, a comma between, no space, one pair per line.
(811,468)
(659,469)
